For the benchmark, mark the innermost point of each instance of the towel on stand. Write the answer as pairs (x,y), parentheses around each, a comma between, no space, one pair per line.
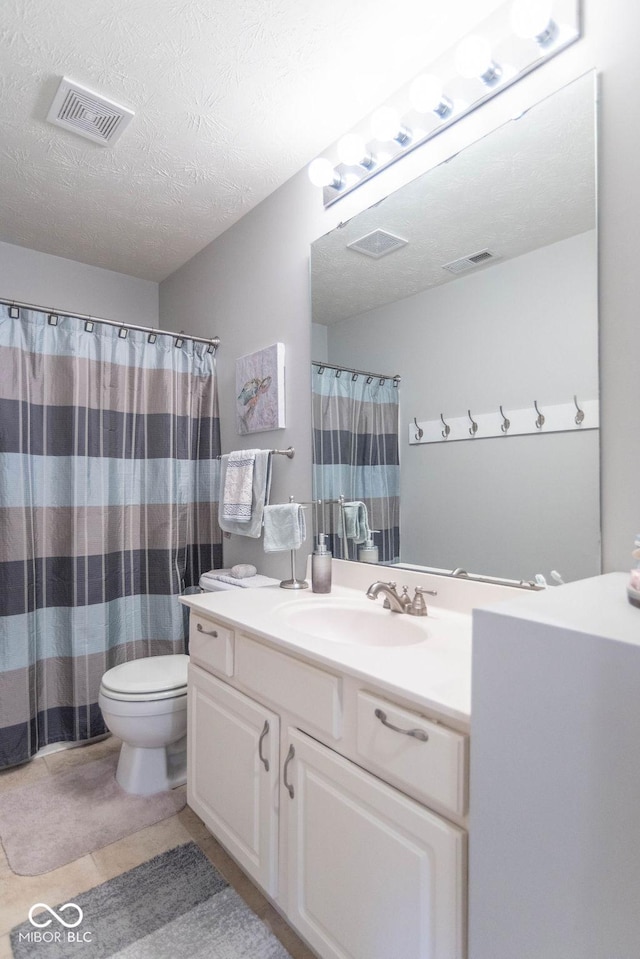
(355,522)
(260,490)
(284,527)
(237,496)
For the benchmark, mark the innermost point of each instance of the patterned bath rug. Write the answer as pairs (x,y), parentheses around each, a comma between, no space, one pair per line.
(67,815)
(176,906)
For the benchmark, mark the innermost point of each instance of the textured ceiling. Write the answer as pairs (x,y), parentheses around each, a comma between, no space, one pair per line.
(231,97)
(526,185)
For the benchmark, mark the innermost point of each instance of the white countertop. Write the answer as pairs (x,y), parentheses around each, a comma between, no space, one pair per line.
(597,606)
(434,674)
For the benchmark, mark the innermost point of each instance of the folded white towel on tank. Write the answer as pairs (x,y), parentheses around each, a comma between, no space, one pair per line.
(223,577)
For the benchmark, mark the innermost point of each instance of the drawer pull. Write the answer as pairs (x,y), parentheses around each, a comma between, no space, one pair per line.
(207,632)
(416,733)
(263,759)
(290,756)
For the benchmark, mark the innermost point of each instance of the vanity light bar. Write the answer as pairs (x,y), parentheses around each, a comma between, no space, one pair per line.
(517,38)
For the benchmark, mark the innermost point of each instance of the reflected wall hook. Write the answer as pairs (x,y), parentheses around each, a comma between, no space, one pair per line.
(447,428)
(473,429)
(419,430)
(506,422)
(539,418)
(579,418)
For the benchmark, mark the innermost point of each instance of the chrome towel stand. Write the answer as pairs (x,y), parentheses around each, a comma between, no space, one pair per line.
(294,582)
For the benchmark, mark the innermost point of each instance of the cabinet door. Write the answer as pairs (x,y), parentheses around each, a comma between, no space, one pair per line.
(232,773)
(372,874)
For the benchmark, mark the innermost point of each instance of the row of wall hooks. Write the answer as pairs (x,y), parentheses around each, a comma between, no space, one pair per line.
(539,418)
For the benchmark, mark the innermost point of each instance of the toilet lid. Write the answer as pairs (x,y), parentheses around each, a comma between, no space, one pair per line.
(153,674)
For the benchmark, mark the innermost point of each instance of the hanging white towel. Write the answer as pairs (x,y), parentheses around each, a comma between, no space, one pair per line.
(284,527)
(260,495)
(237,498)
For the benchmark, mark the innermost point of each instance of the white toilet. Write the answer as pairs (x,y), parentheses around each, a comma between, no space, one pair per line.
(144,703)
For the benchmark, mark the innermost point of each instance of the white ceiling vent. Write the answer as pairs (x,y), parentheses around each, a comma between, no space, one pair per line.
(471,262)
(87,113)
(377,244)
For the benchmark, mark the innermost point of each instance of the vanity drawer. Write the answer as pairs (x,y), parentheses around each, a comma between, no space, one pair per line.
(211,645)
(293,686)
(433,769)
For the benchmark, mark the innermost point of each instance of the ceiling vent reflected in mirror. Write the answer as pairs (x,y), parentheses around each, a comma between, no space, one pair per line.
(471,262)
(87,113)
(377,244)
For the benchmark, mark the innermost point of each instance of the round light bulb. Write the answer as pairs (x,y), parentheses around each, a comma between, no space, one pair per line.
(352,149)
(385,123)
(321,172)
(425,93)
(531,18)
(473,57)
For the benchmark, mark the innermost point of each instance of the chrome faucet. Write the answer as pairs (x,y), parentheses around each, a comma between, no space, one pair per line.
(391,597)
(401,604)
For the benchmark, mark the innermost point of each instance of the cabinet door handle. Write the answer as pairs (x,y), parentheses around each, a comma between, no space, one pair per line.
(290,756)
(207,632)
(416,733)
(263,759)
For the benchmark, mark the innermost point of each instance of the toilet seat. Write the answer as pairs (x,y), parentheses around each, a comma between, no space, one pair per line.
(149,679)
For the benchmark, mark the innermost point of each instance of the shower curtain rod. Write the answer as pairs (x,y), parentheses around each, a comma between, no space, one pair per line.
(214,341)
(345,369)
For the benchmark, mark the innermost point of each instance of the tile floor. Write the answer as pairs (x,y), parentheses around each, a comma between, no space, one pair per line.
(18,893)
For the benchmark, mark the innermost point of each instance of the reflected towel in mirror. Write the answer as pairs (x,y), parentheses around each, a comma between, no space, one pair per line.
(355,522)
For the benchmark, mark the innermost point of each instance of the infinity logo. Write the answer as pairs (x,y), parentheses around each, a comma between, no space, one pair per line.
(52,912)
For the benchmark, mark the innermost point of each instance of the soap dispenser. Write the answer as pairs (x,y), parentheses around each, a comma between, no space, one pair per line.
(368,552)
(321,566)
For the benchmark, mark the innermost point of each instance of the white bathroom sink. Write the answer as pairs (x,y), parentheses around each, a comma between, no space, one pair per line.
(357,622)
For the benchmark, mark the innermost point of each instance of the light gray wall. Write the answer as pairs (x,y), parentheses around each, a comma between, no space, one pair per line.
(519,330)
(57,283)
(251,288)
(251,285)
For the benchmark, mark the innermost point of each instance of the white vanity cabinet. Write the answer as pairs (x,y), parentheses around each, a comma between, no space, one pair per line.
(233,773)
(287,768)
(371,874)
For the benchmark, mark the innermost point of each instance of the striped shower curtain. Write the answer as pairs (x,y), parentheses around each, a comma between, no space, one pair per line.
(355,453)
(108,482)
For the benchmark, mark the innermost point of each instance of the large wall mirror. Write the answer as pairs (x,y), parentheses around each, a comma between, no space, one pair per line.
(514,330)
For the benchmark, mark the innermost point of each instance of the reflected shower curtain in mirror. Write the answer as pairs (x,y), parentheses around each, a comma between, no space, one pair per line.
(355,453)
(108,489)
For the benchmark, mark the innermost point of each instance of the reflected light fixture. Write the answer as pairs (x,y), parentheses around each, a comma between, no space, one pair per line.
(518,37)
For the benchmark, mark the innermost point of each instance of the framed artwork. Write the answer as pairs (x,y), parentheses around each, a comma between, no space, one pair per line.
(260,390)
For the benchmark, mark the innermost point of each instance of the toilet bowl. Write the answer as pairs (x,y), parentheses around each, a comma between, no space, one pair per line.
(144,703)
